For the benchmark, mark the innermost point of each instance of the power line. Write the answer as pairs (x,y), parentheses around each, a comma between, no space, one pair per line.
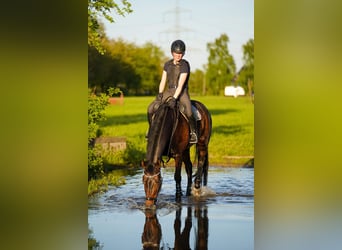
(177,30)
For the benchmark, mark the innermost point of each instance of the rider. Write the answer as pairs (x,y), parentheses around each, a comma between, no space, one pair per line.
(176,75)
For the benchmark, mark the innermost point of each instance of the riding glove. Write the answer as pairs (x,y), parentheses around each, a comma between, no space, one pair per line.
(172,102)
(159,96)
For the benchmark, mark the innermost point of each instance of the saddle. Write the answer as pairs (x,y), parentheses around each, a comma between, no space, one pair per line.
(194,110)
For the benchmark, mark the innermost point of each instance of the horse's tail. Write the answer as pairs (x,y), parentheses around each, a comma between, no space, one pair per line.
(204,134)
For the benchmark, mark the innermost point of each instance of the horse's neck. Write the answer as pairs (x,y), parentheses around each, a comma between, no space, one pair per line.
(161,130)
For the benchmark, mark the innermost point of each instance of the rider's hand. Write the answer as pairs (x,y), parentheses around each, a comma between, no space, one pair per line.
(172,102)
(159,97)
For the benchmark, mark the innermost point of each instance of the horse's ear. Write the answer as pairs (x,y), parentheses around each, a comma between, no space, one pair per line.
(143,163)
(158,164)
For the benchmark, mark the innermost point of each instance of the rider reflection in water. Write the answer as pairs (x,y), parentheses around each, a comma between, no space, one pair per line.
(176,75)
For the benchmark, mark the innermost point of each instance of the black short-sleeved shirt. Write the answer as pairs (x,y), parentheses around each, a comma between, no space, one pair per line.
(173,72)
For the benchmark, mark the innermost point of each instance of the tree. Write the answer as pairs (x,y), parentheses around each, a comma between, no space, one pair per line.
(147,62)
(103,8)
(136,70)
(197,82)
(221,66)
(246,73)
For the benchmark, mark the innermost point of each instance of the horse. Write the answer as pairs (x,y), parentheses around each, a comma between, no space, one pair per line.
(168,136)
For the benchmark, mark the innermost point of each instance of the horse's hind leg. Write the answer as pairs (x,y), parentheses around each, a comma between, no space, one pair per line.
(205,170)
(188,168)
(202,168)
(199,172)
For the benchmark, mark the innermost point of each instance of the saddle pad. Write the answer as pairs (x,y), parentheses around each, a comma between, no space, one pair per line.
(196,113)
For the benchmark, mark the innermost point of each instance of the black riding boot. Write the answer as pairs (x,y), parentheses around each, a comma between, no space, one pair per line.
(192,123)
(149,118)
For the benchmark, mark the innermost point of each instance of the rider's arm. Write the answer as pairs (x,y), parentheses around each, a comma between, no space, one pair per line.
(181,82)
(162,82)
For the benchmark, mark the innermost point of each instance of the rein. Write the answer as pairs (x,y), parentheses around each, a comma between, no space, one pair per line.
(176,113)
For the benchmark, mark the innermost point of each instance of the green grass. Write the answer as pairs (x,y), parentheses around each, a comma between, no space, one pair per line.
(101,185)
(232,135)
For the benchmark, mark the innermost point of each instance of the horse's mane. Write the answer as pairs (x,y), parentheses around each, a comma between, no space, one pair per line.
(160,132)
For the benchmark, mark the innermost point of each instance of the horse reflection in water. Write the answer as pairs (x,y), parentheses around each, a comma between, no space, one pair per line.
(202,228)
(169,135)
(182,238)
(152,233)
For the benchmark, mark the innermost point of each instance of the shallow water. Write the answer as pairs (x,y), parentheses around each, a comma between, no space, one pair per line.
(222,218)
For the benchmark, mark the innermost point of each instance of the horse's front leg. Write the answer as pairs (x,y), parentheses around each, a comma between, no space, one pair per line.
(188,168)
(178,177)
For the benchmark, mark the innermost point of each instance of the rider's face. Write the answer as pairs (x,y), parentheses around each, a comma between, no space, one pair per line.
(177,56)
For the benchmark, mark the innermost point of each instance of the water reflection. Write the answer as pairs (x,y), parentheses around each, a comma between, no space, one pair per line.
(201,242)
(117,218)
(152,233)
(92,241)
(182,238)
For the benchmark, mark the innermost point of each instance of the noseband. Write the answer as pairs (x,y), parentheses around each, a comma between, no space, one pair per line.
(149,178)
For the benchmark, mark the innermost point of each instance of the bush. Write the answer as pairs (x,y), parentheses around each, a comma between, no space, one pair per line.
(96,113)
(95,163)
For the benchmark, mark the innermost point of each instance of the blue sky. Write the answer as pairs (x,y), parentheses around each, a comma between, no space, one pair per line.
(200,22)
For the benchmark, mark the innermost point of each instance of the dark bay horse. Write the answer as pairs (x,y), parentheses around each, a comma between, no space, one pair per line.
(169,136)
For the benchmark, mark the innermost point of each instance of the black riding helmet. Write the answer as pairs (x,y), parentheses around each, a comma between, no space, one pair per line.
(178,47)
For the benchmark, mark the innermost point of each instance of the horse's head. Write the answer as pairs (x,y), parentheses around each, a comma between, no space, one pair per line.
(152,182)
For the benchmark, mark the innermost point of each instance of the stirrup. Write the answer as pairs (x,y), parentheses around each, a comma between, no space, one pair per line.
(146,135)
(193,138)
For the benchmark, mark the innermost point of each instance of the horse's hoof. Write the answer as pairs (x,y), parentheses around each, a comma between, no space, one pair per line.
(150,205)
(178,196)
(196,192)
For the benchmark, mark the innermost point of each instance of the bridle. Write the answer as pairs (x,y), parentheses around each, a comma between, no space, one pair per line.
(149,177)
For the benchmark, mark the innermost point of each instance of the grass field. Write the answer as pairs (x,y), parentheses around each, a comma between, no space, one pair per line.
(232,140)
